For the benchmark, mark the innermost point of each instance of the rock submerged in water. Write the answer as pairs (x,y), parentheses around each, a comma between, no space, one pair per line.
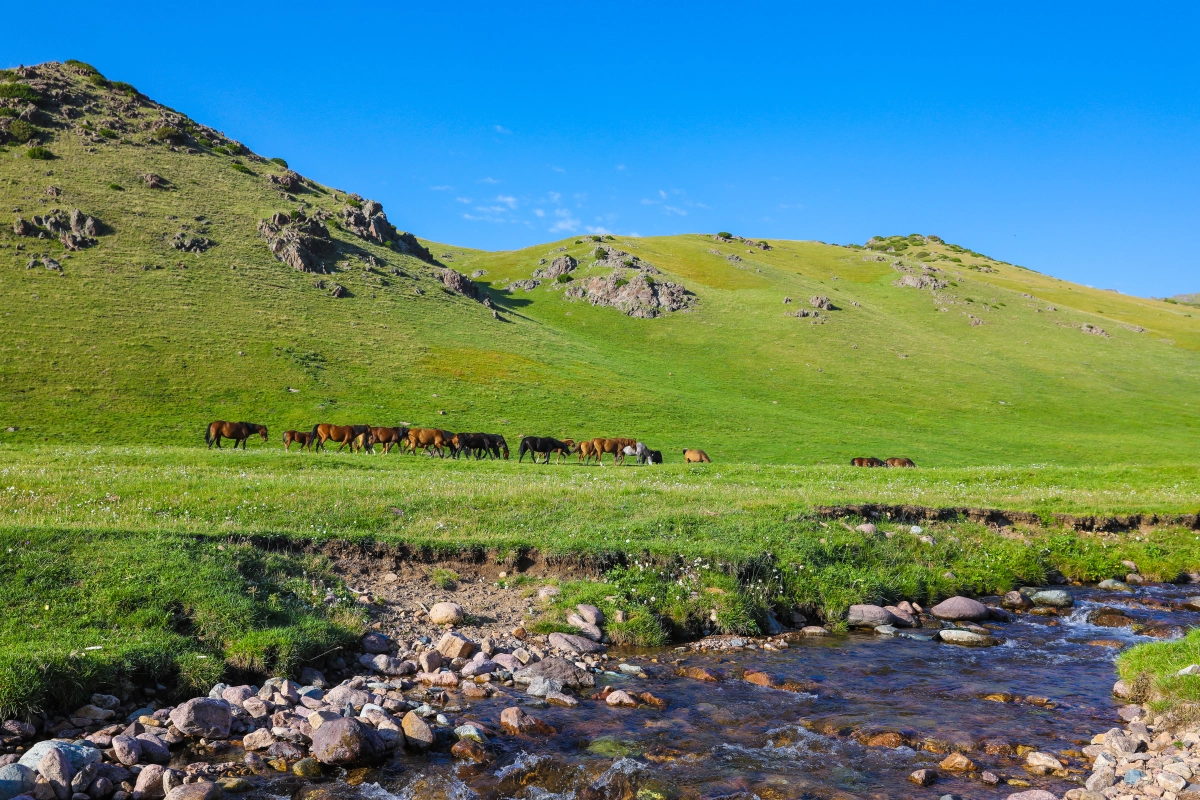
(960,609)
(558,669)
(966,638)
(1053,598)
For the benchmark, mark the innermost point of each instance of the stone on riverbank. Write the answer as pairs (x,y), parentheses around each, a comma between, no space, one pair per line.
(78,755)
(575,644)
(16,779)
(417,731)
(590,614)
(203,716)
(455,645)
(376,642)
(1016,600)
(150,784)
(201,790)
(864,615)
(469,750)
(1033,794)
(346,742)
(446,614)
(56,769)
(960,609)
(923,777)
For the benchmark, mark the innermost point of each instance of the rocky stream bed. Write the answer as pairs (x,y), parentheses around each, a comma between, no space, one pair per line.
(1008,696)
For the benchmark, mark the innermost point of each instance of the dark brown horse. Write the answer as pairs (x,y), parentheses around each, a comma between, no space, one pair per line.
(304,440)
(867,462)
(238,431)
(390,437)
(900,462)
(342,434)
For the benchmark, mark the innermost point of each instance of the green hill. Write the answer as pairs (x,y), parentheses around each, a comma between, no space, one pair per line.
(180,313)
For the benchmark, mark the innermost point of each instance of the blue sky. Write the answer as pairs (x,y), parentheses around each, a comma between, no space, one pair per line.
(1061,137)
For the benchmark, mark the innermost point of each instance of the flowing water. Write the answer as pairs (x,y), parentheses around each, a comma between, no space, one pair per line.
(736,739)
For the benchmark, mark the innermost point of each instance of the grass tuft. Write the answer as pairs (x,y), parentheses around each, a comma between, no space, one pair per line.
(443,578)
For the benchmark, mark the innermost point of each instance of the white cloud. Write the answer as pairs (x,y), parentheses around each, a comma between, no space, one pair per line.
(442,188)
(466,200)
(565,222)
(501,129)
(554,196)
(672,210)
(599,230)
(662,194)
(537,212)
(511,202)
(492,209)
(646,201)
(487,180)
(620,166)
(557,169)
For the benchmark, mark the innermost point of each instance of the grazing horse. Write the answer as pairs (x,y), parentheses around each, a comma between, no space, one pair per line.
(614,446)
(304,440)
(900,462)
(586,450)
(696,457)
(642,452)
(654,457)
(353,435)
(867,462)
(541,444)
(430,439)
(497,447)
(389,437)
(238,431)
(473,444)
(560,453)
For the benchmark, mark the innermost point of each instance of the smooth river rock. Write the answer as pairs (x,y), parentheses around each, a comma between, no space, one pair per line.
(960,609)
(203,716)
(446,614)
(1053,598)
(346,742)
(864,615)
(575,644)
(966,638)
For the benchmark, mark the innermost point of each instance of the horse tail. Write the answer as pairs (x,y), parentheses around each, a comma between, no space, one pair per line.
(208,434)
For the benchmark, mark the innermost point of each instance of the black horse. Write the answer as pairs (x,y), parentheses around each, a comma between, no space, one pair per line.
(654,457)
(540,444)
(497,447)
(473,444)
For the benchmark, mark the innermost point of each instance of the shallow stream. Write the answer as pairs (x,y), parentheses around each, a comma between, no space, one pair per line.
(1050,686)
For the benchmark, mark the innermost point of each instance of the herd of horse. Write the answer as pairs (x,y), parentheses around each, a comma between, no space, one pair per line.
(472,445)
(435,441)
(875,462)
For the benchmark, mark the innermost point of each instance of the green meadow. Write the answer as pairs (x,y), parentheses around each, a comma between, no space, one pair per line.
(119,531)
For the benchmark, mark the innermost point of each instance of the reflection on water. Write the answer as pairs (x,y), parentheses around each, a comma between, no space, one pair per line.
(874,710)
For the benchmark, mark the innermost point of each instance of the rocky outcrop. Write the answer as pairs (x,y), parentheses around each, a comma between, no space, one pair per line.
(639,296)
(367,221)
(563,265)
(457,282)
(297,240)
(288,181)
(188,243)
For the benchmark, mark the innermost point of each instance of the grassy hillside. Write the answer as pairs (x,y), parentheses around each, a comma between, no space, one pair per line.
(110,350)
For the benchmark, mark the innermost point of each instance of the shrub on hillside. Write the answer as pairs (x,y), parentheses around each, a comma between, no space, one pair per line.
(39,154)
(7,75)
(9,112)
(167,133)
(564,278)
(724,235)
(21,131)
(280,162)
(221,149)
(19,91)
(109,133)
(236,149)
(124,88)
(82,65)
(600,254)
(98,80)
(116,187)
(242,168)
(353,202)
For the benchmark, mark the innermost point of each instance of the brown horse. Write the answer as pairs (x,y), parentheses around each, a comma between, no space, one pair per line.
(390,437)
(614,446)
(304,440)
(696,457)
(586,450)
(430,439)
(560,453)
(238,431)
(867,462)
(342,434)
(900,462)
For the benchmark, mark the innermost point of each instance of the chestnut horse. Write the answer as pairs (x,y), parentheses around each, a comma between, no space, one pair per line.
(429,438)
(586,451)
(304,440)
(390,437)
(238,431)
(900,462)
(696,457)
(343,435)
(614,446)
(867,462)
